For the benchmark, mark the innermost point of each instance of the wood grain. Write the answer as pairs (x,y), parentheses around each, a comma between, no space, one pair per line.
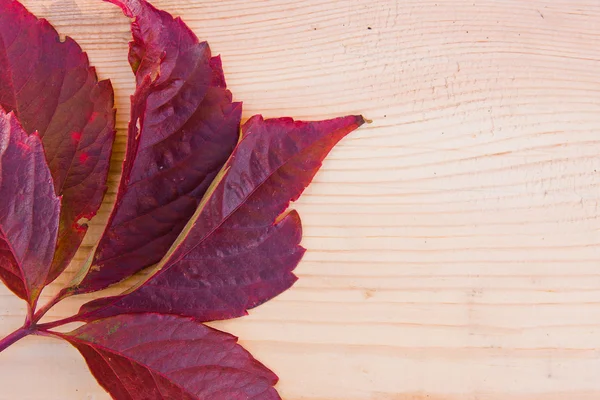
(454,243)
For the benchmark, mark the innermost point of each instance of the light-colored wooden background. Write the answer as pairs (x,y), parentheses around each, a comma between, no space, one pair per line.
(454,243)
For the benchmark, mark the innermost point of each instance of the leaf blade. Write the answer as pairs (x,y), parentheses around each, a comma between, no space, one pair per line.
(50,86)
(238,250)
(188,126)
(29,211)
(153,356)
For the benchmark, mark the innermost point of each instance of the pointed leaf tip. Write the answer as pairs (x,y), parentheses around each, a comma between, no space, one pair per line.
(129,7)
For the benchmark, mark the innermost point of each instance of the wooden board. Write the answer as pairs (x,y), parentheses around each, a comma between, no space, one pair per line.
(454,243)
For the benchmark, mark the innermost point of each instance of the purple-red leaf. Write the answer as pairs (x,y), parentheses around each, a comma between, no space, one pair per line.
(51,88)
(205,204)
(188,127)
(29,211)
(239,250)
(152,356)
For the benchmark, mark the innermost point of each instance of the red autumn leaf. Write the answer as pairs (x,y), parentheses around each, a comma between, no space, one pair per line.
(51,88)
(210,212)
(239,250)
(29,211)
(152,356)
(188,127)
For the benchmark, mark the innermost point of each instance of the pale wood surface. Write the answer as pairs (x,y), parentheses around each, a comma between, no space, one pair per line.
(454,243)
